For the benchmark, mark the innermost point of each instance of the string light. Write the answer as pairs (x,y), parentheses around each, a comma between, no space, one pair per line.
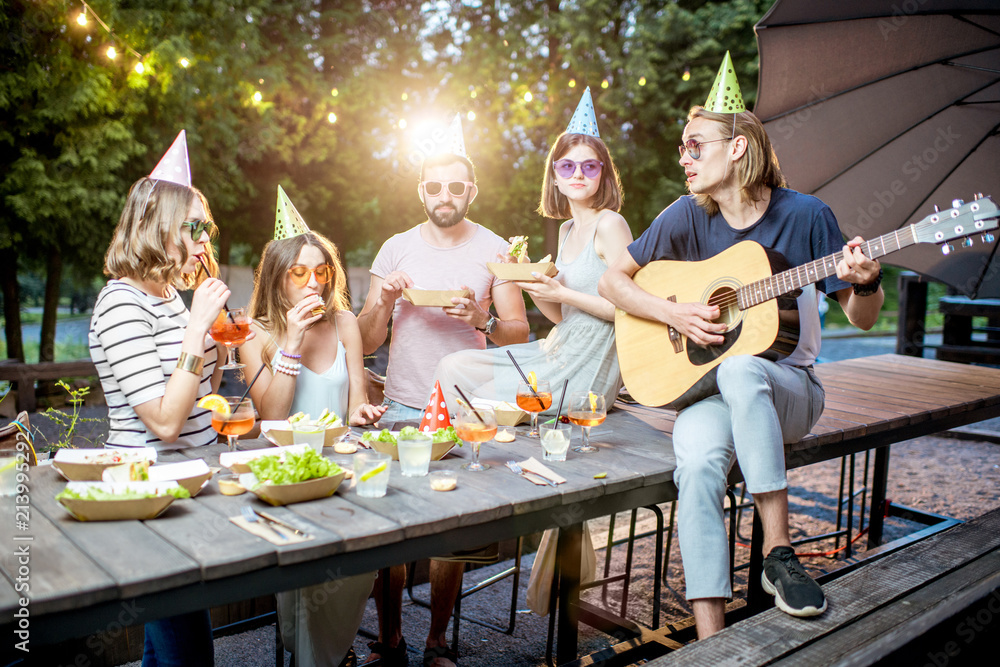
(572,83)
(184,62)
(405,97)
(331,117)
(402,123)
(334,92)
(112,53)
(687,74)
(642,81)
(472,94)
(605,84)
(527,96)
(257,97)
(471,115)
(81,18)
(139,68)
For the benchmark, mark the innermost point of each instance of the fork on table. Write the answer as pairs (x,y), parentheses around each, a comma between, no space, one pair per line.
(252,517)
(516,468)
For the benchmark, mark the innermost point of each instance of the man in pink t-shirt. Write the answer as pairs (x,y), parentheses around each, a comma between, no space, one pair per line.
(448,251)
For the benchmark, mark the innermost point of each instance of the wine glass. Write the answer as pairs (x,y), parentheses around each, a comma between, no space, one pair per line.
(231,328)
(586,409)
(534,399)
(237,421)
(476,426)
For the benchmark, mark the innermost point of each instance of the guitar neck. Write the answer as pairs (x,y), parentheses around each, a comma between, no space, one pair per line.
(788,281)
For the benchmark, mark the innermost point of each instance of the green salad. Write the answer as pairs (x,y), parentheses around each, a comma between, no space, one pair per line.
(95,493)
(295,468)
(385,435)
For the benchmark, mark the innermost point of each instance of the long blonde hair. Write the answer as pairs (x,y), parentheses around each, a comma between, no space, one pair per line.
(757,169)
(269,304)
(151,219)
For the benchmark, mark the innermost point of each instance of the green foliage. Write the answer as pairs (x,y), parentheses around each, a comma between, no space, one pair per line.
(69,421)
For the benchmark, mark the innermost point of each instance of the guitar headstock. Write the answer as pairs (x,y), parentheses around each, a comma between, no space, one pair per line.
(962,221)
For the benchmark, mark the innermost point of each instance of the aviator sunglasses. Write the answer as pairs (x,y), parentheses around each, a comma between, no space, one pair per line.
(455,188)
(693,148)
(566,168)
(300,274)
(199,227)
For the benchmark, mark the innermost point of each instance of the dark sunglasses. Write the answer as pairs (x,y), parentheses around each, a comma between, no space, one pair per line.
(693,148)
(300,274)
(455,188)
(566,168)
(199,227)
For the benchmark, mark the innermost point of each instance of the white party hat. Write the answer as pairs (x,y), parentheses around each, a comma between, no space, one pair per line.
(174,165)
(288,222)
(584,120)
(454,143)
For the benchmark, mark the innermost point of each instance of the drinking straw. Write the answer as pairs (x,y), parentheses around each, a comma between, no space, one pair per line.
(559,409)
(201,260)
(469,403)
(258,375)
(526,381)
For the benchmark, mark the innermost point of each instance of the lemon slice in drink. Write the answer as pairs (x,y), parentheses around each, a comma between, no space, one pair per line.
(374,471)
(593,401)
(215,403)
(533,380)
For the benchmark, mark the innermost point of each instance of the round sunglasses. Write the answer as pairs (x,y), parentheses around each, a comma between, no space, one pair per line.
(198,227)
(455,188)
(566,168)
(693,148)
(300,274)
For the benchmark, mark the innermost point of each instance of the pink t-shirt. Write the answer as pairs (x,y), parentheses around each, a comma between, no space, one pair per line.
(421,336)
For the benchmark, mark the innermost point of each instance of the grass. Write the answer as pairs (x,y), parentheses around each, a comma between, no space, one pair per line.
(63,352)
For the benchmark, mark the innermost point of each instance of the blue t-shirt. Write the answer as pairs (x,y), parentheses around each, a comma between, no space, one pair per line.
(800,227)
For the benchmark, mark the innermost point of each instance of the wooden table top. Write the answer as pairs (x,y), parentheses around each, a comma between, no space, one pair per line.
(82,575)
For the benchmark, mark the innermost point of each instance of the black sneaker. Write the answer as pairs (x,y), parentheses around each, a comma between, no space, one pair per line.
(794,591)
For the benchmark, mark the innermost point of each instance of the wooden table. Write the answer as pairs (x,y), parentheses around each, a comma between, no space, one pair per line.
(87,577)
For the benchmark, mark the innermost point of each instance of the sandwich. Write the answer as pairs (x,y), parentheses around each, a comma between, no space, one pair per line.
(518,248)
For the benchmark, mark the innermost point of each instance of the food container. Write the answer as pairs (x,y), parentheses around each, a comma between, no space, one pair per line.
(237,461)
(280,433)
(286,494)
(430,297)
(119,510)
(508,414)
(443,480)
(522,272)
(438,449)
(192,475)
(88,465)
(229,485)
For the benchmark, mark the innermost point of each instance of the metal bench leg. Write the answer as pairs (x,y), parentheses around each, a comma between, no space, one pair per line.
(880,480)
(757,599)
(670,539)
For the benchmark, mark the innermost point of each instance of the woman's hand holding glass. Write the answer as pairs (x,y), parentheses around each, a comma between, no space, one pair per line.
(209,298)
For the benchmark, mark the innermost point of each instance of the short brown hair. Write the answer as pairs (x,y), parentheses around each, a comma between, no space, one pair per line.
(153,213)
(609,193)
(757,169)
(269,305)
(448,158)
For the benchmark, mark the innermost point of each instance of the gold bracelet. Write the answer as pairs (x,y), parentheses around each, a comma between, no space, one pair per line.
(190,363)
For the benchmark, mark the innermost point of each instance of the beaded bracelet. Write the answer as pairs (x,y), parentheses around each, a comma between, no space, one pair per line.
(287,371)
(289,356)
(281,363)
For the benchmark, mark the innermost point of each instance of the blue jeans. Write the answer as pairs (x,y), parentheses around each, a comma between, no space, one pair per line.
(398,412)
(760,406)
(179,641)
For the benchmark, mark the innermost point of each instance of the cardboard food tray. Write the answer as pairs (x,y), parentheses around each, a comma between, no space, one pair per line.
(192,475)
(508,414)
(286,494)
(522,272)
(237,461)
(438,449)
(119,510)
(88,465)
(429,297)
(280,433)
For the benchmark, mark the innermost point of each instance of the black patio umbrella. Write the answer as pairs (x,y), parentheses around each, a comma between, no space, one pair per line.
(884,109)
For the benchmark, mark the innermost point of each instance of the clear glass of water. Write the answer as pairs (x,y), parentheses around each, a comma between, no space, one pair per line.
(371,472)
(309,434)
(555,440)
(414,455)
(8,475)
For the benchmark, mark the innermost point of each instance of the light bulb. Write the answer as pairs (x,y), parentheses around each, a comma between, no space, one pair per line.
(642,81)
(184,62)
(604,84)
(257,97)
(471,115)
(527,96)
(81,18)
(139,68)
(332,117)
(112,53)
(572,83)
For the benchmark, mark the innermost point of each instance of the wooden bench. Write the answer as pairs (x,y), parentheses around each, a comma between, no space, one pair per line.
(923,603)
(23,377)
(957,343)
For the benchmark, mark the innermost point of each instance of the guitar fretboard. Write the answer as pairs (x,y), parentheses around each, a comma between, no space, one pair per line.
(797,278)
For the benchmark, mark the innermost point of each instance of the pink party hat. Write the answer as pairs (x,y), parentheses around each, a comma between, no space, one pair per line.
(584,120)
(174,165)
(436,412)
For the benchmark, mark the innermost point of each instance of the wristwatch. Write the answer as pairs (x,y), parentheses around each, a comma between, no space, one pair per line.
(491,326)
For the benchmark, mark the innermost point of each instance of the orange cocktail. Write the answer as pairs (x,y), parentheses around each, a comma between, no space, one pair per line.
(586,409)
(231,328)
(235,420)
(475,426)
(534,397)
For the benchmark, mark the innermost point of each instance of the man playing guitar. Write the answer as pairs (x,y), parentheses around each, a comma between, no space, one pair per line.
(738,194)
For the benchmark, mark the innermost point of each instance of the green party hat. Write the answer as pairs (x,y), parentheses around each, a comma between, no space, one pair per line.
(287,221)
(725,96)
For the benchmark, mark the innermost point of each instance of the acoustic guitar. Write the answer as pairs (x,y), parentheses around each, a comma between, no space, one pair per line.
(754,290)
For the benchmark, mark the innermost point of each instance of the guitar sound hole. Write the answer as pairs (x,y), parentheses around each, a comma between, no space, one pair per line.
(729,314)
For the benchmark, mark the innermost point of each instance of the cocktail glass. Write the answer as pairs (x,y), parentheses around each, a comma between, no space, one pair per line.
(534,399)
(586,409)
(476,426)
(231,328)
(236,422)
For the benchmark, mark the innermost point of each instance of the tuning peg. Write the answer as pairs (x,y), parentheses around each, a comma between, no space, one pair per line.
(978,196)
(947,248)
(955,203)
(988,238)
(966,242)
(936,209)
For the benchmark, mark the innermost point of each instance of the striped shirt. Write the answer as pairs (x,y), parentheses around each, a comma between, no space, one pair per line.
(135,339)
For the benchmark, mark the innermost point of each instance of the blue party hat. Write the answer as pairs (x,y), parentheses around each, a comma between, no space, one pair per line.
(584,120)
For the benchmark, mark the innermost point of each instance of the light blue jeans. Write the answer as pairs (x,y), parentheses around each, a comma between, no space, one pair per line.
(398,412)
(760,406)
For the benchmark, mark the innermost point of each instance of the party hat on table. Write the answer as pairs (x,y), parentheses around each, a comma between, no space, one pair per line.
(436,412)
(725,96)
(174,165)
(287,221)
(584,120)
